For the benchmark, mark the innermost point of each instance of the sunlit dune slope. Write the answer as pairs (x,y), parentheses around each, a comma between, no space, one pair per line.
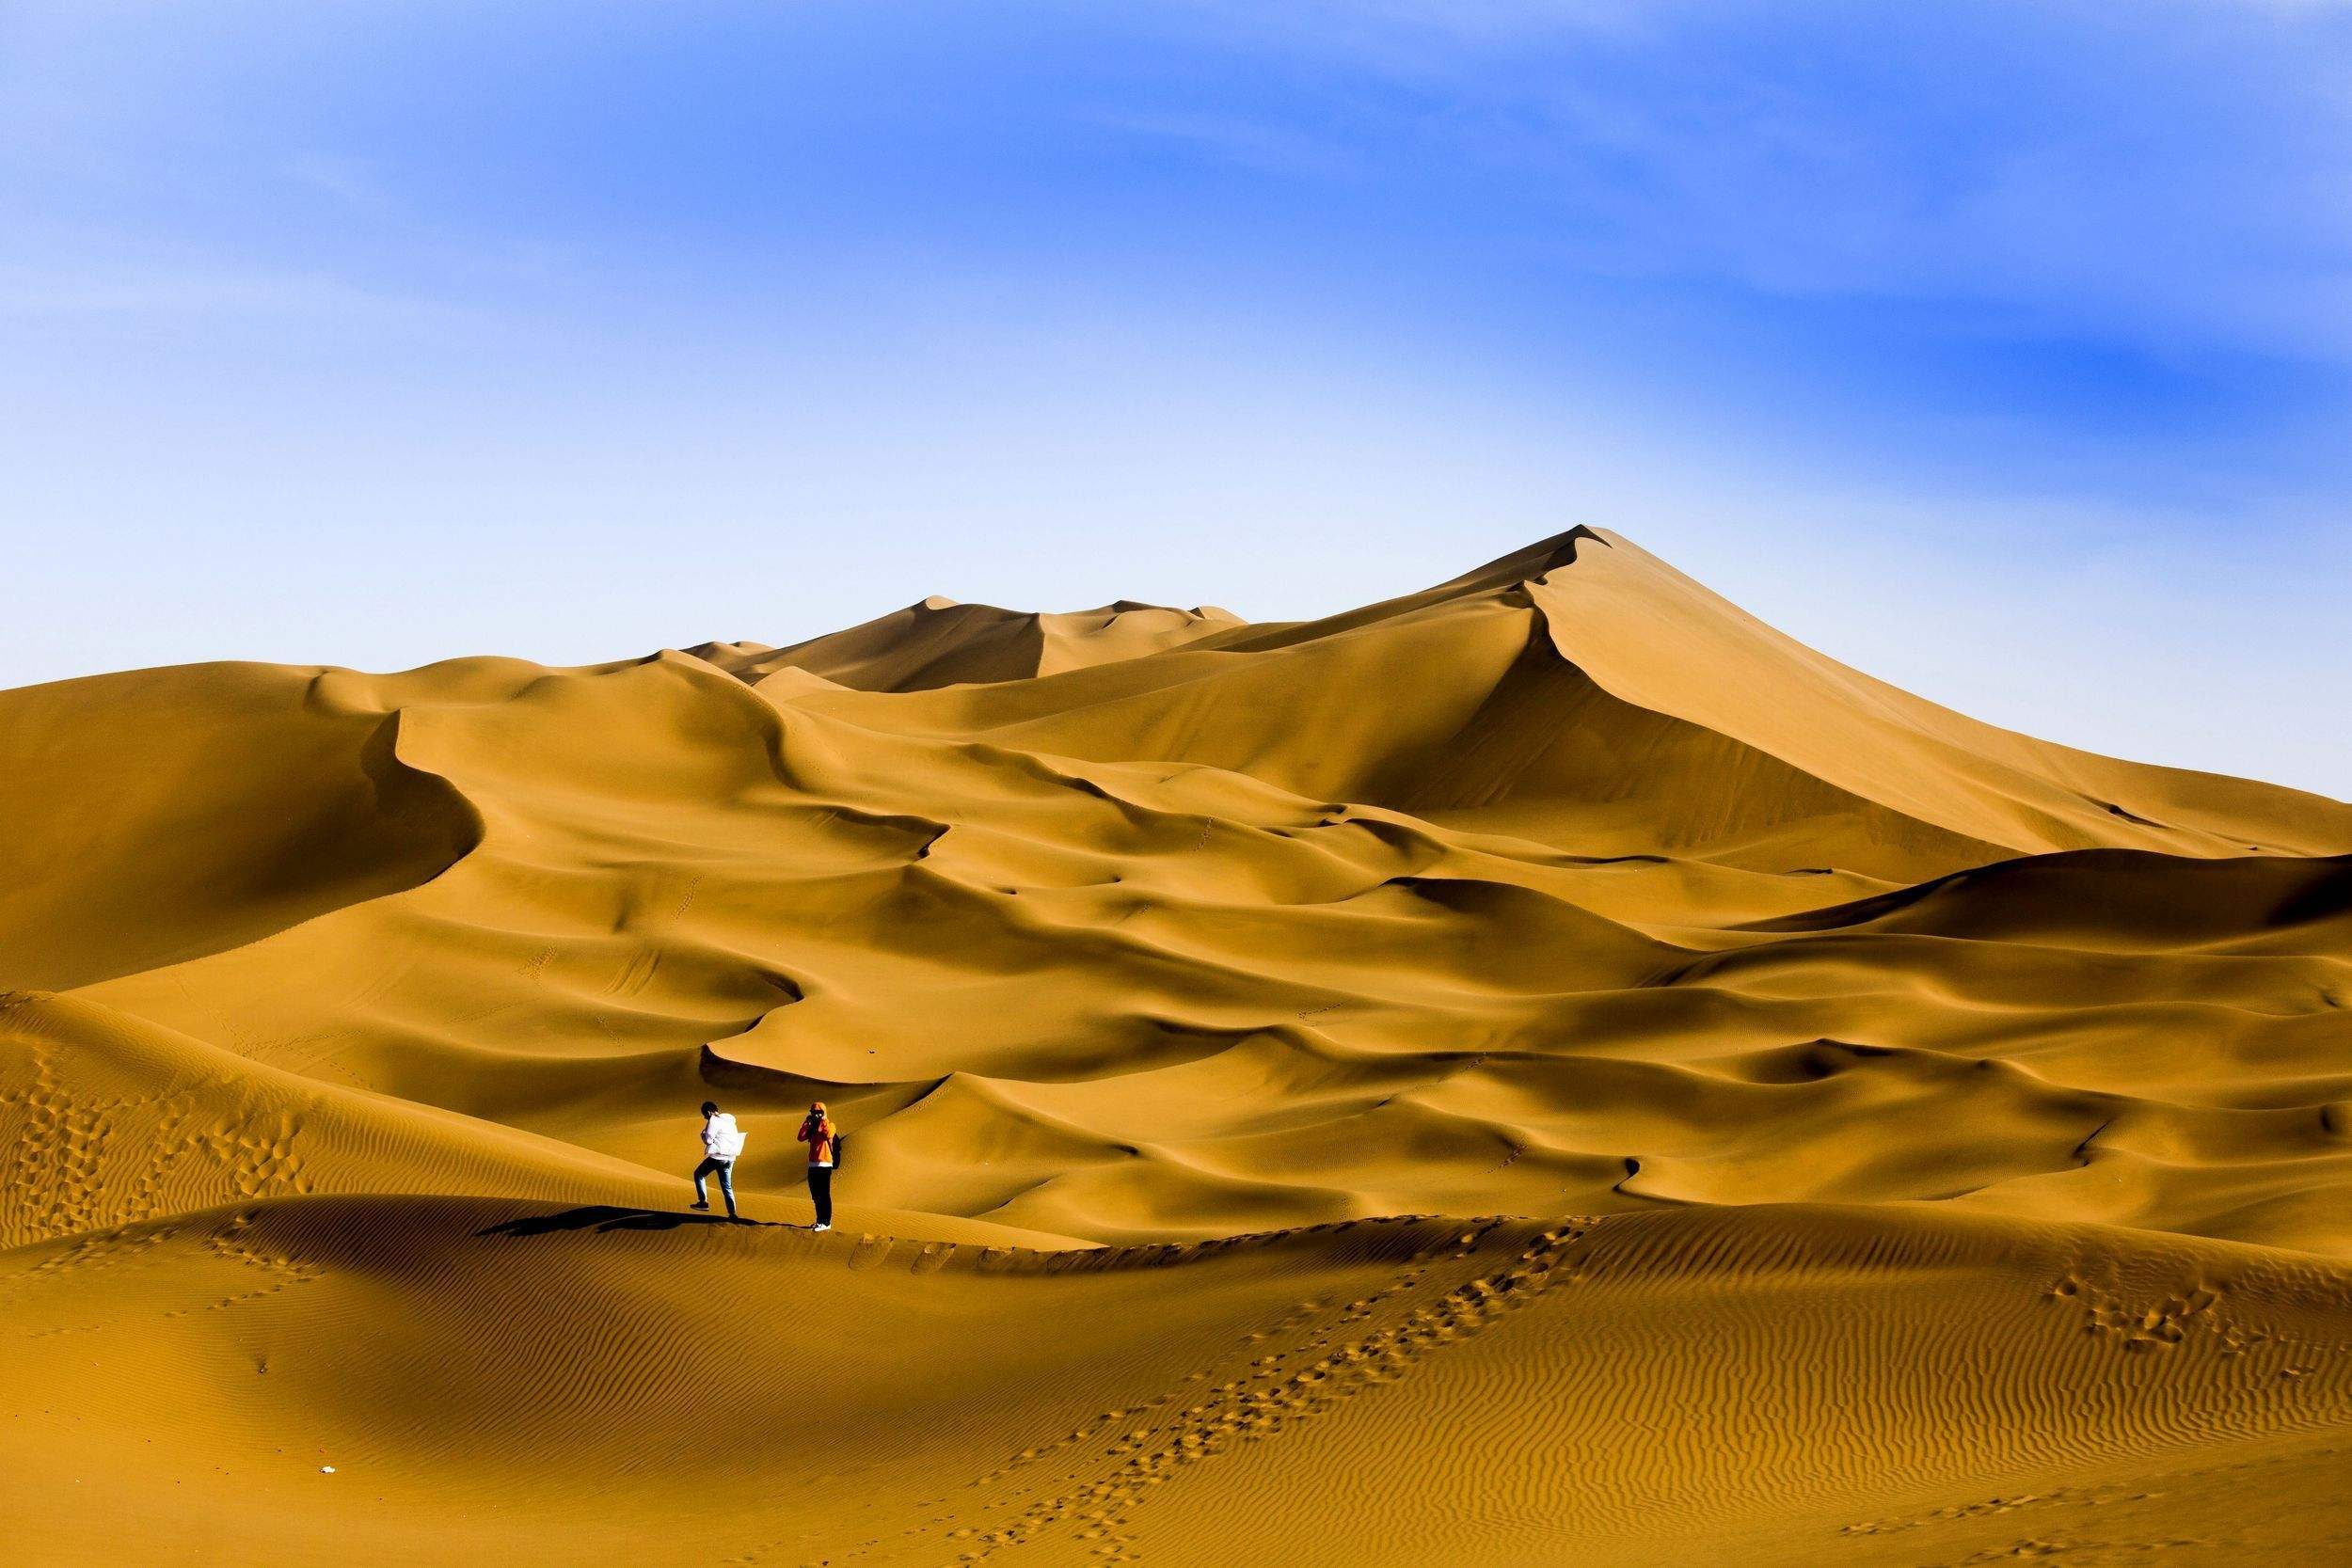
(277,1381)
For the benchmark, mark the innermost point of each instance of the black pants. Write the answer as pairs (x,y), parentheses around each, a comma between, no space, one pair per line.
(820,1189)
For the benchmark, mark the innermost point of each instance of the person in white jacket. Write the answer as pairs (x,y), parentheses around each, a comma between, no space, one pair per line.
(723,1145)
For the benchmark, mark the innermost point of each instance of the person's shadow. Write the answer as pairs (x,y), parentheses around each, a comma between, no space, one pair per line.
(604,1217)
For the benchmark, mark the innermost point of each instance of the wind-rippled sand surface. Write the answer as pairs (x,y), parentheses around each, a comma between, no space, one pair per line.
(1543,1070)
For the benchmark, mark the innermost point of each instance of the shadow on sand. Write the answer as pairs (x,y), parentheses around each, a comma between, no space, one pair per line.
(603,1217)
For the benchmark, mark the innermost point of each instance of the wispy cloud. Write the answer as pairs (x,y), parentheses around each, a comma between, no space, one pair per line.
(348,181)
(2172,174)
(182,289)
(1245,142)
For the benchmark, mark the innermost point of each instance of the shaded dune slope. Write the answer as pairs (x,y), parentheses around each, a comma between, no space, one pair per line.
(160,813)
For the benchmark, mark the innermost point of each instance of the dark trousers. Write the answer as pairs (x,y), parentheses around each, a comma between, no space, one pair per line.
(725,1170)
(820,1189)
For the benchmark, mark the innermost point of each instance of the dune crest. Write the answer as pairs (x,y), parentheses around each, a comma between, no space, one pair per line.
(937,642)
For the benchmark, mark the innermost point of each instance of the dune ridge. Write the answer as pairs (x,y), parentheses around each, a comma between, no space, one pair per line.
(1776,1010)
(937,642)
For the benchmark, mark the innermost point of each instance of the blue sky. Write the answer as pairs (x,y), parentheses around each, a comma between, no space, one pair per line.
(2003,350)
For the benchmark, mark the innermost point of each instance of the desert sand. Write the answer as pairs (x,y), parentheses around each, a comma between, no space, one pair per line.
(1542,1070)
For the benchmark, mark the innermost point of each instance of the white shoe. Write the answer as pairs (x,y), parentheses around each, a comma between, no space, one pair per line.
(820,1228)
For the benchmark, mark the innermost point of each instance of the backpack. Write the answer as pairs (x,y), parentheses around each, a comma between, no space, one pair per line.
(839,1143)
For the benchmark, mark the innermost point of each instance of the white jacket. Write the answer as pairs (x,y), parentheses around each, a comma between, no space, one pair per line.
(722,1138)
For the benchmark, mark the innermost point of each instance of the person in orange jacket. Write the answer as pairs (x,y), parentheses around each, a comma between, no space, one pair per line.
(824,1153)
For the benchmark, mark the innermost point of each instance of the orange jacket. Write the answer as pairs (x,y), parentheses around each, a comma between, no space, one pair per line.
(819,1139)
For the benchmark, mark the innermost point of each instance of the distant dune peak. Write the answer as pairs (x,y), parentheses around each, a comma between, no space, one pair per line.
(939,642)
(1546,556)
(1579,692)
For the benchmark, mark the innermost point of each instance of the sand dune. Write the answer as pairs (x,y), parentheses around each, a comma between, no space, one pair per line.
(1563,891)
(938,642)
(1813,1385)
